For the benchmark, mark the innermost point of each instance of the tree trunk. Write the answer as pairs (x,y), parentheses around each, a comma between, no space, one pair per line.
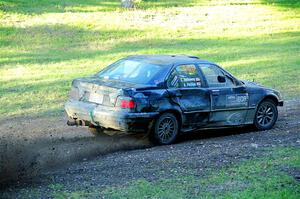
(127,3)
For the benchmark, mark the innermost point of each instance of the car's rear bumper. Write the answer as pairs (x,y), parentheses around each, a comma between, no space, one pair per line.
(108,117)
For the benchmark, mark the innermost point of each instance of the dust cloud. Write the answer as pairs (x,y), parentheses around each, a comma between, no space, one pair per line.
(31,146)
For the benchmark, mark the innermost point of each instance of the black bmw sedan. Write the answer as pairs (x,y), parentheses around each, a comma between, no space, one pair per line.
(165,95)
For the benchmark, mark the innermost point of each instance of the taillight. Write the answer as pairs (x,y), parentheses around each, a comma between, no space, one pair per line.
(125,102)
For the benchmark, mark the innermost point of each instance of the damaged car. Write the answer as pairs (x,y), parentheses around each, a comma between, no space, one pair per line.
(165,95)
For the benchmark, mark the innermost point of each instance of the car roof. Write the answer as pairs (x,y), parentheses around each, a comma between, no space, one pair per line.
(167,60)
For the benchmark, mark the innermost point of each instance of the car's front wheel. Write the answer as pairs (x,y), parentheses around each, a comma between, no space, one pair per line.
(166,129)
(266,115)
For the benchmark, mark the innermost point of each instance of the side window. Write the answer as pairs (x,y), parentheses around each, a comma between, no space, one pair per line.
(184,76)
(211,74)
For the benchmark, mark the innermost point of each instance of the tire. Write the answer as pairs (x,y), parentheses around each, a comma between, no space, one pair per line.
(166,129)
(266,115)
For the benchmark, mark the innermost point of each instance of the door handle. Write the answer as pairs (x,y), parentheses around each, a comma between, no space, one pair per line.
(175,93)
(215,92)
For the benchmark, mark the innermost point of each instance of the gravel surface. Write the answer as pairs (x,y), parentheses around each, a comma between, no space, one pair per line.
(195,152)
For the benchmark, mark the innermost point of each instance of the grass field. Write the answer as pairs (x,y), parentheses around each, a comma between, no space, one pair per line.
(45,44)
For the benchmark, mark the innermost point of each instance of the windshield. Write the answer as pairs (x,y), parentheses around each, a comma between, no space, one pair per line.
(134,71)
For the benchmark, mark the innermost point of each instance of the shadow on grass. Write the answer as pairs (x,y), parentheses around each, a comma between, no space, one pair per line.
(44,44)
(52,44)
(170,3)
(57,6)
(283,3)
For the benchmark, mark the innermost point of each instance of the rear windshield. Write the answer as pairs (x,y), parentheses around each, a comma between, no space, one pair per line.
(134,71)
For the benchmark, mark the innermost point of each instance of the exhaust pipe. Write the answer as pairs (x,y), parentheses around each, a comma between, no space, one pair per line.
(76,123)
(71,122)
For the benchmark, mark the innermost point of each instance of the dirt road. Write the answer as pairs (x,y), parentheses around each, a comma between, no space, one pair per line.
(31,146)
(34,146)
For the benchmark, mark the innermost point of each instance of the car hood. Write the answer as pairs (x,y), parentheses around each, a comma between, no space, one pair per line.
(252,84)
(268,91)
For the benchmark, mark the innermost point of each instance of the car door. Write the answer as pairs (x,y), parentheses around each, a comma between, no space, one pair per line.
(185,87)
(229,99)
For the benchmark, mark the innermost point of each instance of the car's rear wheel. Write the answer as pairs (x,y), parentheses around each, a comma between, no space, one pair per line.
(266,115)
(165,129)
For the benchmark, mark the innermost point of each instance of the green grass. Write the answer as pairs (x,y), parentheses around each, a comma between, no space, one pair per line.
(45,44)
(269,176)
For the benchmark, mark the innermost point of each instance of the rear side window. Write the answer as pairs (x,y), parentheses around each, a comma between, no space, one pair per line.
(134,71)
(184,76)
(211,74)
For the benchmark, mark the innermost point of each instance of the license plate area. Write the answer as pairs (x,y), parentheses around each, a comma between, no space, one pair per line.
(96,98)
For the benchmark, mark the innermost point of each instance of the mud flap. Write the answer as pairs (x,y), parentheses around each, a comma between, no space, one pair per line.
(91,113)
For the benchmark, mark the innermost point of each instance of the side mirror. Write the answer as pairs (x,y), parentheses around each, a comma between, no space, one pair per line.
(241,89)
(221,79)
